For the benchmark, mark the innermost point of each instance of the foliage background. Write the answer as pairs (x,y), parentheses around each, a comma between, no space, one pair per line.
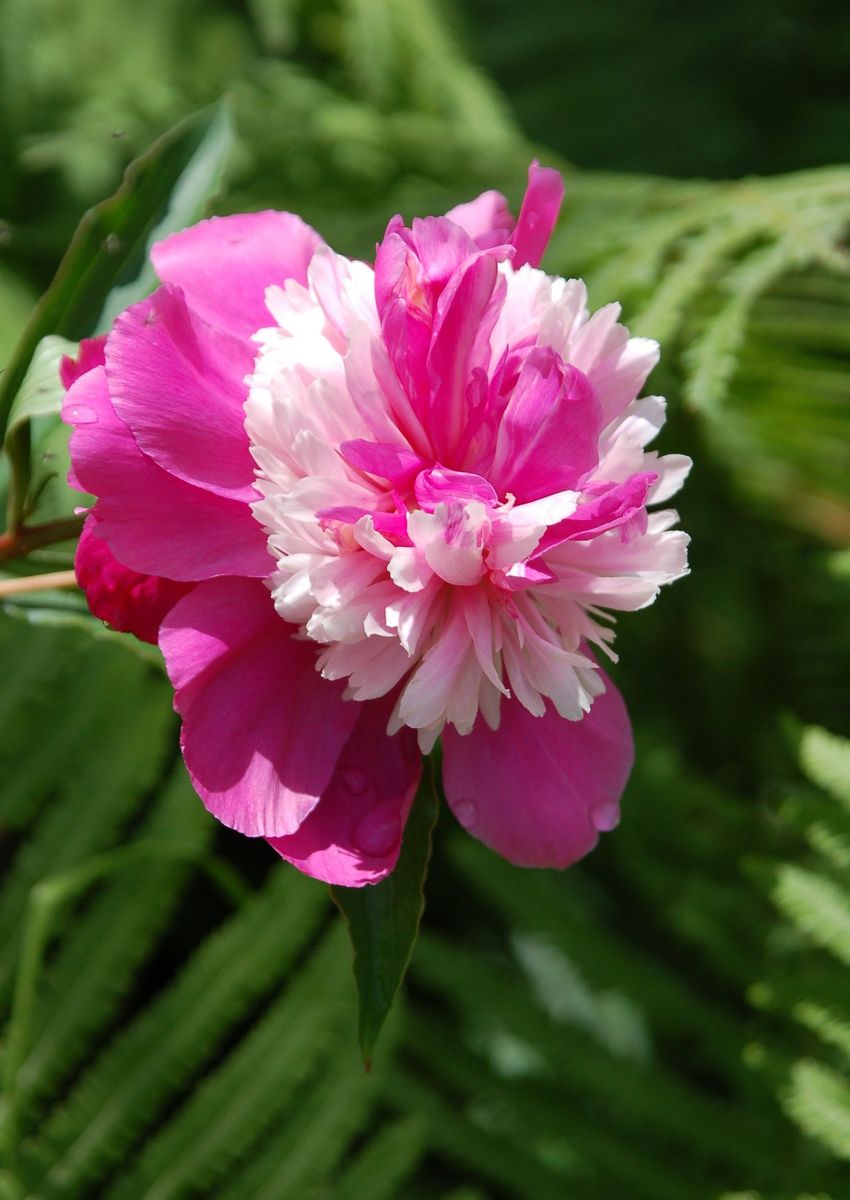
(668,1019)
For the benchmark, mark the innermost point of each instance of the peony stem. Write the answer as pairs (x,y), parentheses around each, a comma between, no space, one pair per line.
(17,543)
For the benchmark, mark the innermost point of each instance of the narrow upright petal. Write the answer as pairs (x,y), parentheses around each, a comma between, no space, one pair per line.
(538,215)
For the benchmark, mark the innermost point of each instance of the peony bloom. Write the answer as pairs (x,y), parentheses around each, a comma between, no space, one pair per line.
(368,507)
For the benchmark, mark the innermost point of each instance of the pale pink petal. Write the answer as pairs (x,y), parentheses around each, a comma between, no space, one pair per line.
(353,835)
(262,731)
(179,385)
(124,599)
(153,522)
(541,789)
(225,264)
(672,471)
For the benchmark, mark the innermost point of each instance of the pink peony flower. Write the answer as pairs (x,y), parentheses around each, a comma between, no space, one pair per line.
(370,507)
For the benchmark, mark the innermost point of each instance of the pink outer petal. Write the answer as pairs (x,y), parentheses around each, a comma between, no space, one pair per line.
(126,600)
(540,789)
(225,264)
(353,835)
(90,356)
(178,383)
(262,731)
(538,215)
(152,522)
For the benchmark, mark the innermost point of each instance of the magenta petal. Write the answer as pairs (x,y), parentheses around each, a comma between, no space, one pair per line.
(153,522)
(353,835)
(123,598)
(179,385)
(225,264)
(89,356)
(541,789)
(487,219)
(415,264)
(440,484)
(397,463)
(549,434)
(538,215)
(262,731)
(466,313)
(613,506)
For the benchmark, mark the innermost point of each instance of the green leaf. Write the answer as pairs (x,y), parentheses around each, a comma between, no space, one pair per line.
(826,760)
(383,919)
(41,391)
(162,190)
(200,180)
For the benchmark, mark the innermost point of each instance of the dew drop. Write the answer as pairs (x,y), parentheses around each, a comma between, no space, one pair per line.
(379,832)
(355,780)
(605,815)
(81,414)
(466,812)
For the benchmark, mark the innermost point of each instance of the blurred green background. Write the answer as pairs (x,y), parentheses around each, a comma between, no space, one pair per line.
(669,1019)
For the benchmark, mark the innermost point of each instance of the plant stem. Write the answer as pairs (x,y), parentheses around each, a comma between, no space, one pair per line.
(37,583)
(16,543)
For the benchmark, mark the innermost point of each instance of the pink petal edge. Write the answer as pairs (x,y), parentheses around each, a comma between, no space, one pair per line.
(353,835)
(262,731)
(539,790)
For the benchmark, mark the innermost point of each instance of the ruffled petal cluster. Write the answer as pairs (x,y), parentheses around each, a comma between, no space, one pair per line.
(365,506)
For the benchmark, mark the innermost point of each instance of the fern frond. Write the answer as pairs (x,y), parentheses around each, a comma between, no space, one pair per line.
(248,1093)
(301,1155)
(124,707)
(826,760)
(817,906)
(94,969)
(385,1163)
(166,1045)
(818,1100)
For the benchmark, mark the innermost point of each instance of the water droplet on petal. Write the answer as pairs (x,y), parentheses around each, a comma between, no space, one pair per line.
(605,815)
(466,812)
(355,780)
(81,414)
(379,832)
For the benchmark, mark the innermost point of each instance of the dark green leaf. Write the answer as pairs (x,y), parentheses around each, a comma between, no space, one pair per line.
(383,920)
